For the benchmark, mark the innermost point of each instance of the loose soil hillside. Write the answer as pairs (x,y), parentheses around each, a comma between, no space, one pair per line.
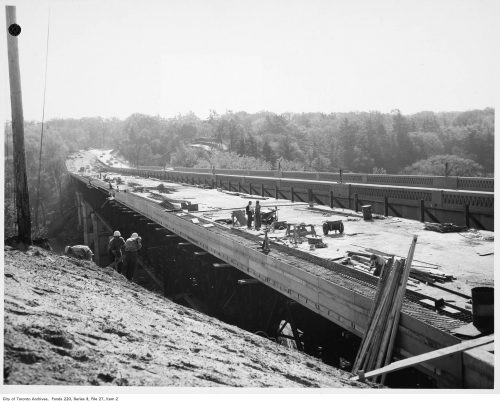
(71,322)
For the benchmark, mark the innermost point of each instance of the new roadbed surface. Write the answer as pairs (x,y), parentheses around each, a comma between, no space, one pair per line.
(70,322)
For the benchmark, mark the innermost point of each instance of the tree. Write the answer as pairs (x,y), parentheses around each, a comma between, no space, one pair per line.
(347,142)
(268,153)
(425,144)
(435,165)
(400,129)
(251,148)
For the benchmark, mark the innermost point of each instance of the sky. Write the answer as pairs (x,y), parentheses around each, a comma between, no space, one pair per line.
(113,58)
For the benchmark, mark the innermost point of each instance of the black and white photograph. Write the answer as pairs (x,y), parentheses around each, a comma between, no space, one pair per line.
(270,196)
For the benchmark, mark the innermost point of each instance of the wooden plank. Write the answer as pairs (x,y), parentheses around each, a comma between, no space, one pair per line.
(415,360)
(483,250)
(399,303)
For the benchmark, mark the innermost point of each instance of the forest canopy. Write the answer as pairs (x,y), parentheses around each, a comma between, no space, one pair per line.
(363,142)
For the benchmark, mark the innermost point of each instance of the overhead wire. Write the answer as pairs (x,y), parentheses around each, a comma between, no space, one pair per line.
(43,121)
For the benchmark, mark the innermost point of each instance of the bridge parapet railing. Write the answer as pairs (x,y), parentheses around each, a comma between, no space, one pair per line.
(476,184)
(478,201)
(423,181)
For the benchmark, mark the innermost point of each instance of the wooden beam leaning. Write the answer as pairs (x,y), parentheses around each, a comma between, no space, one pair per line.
(399,304)
(415,360)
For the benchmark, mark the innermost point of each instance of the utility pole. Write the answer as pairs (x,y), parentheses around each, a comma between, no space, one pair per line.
(16,101)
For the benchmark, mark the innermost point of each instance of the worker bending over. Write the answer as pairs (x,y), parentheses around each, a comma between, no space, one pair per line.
(132,246)
(79,252)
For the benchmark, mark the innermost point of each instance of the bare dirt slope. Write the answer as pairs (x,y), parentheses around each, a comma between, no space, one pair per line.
(71,322)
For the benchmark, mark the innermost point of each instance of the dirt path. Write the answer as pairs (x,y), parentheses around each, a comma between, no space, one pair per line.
(70,322)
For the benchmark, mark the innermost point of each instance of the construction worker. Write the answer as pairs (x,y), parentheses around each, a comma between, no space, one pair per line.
(132,245)
(115,247)
(258,217)
(79,252)
(249,212)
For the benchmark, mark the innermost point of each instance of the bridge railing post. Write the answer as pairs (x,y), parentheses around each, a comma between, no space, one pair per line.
(422,210)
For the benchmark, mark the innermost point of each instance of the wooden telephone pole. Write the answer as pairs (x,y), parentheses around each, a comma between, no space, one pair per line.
(16,101)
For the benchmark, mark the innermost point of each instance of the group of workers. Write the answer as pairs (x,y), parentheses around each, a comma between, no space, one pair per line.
(251,213)
(123,253)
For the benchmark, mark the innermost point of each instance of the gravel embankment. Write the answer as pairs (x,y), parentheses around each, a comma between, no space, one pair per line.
(70,322)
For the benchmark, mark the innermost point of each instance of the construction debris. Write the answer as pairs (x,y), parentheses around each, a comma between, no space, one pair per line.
(427,276)
(445,227)
(336,225)
(317,242)
(300,230)
(376,261)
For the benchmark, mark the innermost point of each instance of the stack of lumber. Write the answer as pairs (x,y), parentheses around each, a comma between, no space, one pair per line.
(445,227)
(425,274)
(428,276)
(377,345)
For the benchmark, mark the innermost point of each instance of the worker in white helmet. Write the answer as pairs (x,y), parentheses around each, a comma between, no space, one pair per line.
(115,248)
(132,246)
(79,252)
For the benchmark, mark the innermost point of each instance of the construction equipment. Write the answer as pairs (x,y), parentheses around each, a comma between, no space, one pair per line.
(300,229)
(335,225)
(268,216)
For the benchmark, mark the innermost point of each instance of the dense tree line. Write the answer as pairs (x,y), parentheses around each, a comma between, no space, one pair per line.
(363,142)
(357,142)
(61,137)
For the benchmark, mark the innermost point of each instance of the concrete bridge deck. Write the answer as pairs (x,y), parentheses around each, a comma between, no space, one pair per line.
(329,289)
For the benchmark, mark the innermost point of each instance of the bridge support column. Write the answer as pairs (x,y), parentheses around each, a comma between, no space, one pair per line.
(85,220)
(79,200)
(95,238)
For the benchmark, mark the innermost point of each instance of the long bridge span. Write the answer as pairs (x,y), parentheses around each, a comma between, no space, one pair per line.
(319,298)
(401,196)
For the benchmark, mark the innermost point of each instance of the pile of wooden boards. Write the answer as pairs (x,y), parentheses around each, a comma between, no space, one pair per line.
(445,227)
(424,274)
(428,276)
(377,345)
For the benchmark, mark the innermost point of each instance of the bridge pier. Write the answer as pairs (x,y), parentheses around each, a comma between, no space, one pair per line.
(85,221)
(79,200)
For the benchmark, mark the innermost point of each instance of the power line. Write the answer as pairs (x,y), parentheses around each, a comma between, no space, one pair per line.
(43,120)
